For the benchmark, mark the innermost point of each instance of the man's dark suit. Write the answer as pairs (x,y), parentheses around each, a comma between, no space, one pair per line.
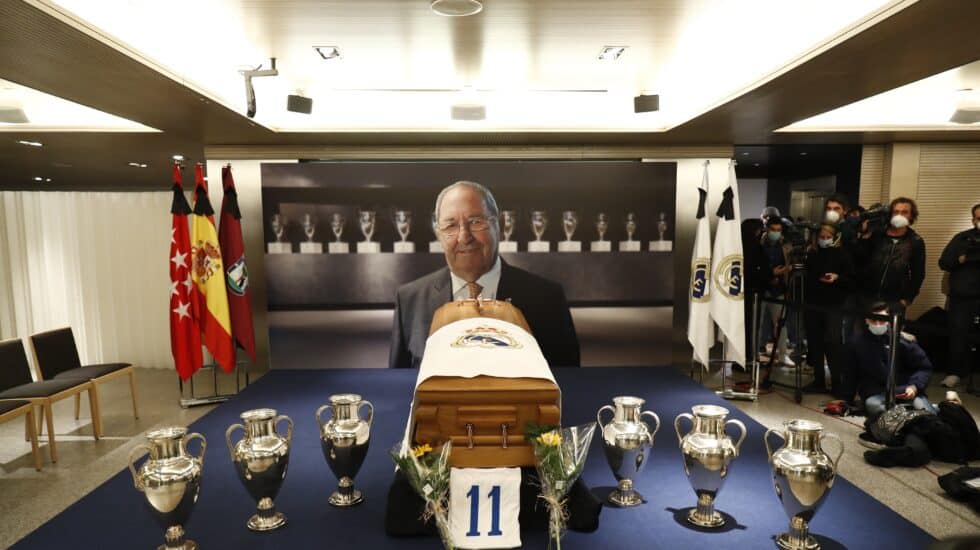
(541,301)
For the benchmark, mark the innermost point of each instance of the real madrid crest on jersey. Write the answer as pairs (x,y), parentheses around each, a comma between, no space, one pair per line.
(728,276)
(486,337)
(700,274)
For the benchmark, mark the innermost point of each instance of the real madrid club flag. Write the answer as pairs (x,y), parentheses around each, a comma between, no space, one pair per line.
(700,329)
(185,335)
(236,271)
(207,272)
(727,288)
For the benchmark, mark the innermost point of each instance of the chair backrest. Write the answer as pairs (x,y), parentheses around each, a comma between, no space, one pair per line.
(14,368)
(55,352)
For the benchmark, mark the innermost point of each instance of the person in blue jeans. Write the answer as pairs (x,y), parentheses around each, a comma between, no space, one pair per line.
(869,355)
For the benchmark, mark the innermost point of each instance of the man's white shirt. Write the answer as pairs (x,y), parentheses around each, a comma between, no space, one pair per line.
(489,281)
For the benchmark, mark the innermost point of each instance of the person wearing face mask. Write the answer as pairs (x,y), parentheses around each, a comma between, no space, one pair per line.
(894,260)
(775,271)
(829,282)
(869,356)
(961,259)
(835,212)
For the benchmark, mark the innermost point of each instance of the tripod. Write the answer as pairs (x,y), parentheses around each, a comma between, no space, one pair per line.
(795,298)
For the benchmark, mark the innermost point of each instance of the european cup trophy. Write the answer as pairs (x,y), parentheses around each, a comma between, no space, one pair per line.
(309,228)
(403,225)
(278,224)
(660,245)
(629,245)
(261,459)
(708,453)
(508,219)
(569,222)
(539,223)
(627,441)
(601,226)
(337,224)
(367,219)
(344,440)
(435,247)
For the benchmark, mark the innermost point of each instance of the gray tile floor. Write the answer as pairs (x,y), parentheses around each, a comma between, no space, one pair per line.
(29,498)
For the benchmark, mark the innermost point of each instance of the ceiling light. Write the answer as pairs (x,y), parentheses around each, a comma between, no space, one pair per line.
(803,153)
(611,53)
(47,179)
(31,143)
(745,154)
(137,164)
(328,52)
(38,178)
(756,164)
(456,8)
(178,158)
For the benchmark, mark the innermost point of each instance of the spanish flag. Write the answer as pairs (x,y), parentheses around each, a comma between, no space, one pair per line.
(208,274)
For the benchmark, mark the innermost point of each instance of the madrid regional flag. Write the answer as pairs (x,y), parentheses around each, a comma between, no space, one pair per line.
(185,335)
(700,329)
(727,270)
(208,274)
(236,271)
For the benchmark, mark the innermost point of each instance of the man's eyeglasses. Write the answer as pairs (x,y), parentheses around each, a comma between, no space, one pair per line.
(474,225)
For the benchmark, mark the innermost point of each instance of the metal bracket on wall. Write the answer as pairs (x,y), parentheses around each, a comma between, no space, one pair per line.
(215,397)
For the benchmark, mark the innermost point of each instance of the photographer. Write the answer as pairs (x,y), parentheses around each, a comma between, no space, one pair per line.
(775,269)
(961,258)
(894,259)
(829,282)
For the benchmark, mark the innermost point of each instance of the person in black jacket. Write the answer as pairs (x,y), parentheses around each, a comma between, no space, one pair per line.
(894,260)
(961,258)
(829,280)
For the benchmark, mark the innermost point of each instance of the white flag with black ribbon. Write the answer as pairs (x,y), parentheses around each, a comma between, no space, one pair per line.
(727,270)
(700,329)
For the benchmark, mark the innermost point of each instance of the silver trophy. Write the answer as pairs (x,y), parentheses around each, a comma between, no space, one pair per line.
(171,481)
(707,452)
(278,224)
(367,219)
(602,225)
(630,226)
(309,226)
(344,440)
(261,459)
(627,442)
(337,223)
(569,222)
(403,223)
(539,222)
(802,475)
(509,219)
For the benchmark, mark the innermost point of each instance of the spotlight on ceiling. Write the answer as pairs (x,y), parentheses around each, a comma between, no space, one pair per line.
(299,104)
(136,164)
(178,157)
(611,53)
(249,74)
(31,143)
(328,52)
(456,8)
(646,103)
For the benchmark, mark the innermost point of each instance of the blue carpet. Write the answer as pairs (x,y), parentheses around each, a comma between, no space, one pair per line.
(114,515)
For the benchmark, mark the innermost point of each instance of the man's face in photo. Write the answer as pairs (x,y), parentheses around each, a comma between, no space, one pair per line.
(469,253)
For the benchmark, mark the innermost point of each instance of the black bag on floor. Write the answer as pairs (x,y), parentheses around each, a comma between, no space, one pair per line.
(887,427)
(965,426)
(932,335)
(955,484)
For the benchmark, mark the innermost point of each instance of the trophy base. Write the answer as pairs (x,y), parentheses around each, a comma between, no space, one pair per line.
(507,246)
(539,246)
(709,521)
(788,541)
(259,523)
(342,500)
(661,246)
(569,246)
(280,248)
(310,248)
(368,247)
(435,247)
(629,246)
(404,247)
(188,545)
(622,499)
(338,248)
(601,246)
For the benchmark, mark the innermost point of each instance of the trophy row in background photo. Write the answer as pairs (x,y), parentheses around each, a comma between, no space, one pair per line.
(402,222)
(802,472)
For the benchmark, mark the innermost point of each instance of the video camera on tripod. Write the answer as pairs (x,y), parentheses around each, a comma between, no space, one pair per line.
(799,235)
(878,217)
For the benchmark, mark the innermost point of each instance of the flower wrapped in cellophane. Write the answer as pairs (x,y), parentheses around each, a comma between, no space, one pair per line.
(427,472)
(559,455)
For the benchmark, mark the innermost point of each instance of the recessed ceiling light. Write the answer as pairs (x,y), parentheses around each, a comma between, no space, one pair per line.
(328,52)
(47,179)
(803,153)
(38,178)
(178,158)
(756,164)
(136,164)
(611,53)
(31,143)
(456,8)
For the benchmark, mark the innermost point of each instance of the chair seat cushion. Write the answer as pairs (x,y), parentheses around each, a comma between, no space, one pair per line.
(46,388)
(7,406)
(89,372)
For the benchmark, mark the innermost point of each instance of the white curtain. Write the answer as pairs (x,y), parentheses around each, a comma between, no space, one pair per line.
(94,261)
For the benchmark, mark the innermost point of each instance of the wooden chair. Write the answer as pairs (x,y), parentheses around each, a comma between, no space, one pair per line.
(56,357)
(16,384)
(20,407)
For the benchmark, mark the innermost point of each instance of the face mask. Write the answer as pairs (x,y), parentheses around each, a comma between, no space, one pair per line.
(775,235)
(899,221)
(824,243)
(878,330)
(832,216)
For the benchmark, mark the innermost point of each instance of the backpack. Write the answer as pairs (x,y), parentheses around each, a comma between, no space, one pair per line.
(887,427)
(963,423)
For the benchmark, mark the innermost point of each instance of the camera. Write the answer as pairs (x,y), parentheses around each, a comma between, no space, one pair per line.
(798,235)
(877,217)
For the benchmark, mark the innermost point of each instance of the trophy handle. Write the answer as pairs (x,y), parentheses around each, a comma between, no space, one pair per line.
(741,438)
(319,422)
(677,425)
(132,467)
(204,445)
(765,438)
(598,415)
(370,418)
(289,432)
(655,417)
(839,443)
(231,448)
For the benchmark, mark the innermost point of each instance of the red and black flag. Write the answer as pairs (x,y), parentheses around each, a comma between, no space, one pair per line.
(185,334)
(236,270)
